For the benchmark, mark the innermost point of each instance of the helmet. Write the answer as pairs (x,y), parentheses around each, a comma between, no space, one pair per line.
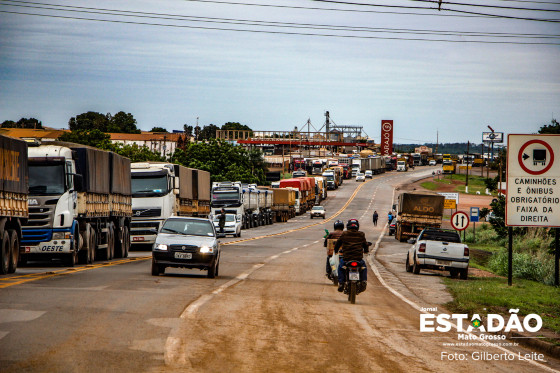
(353,224)
(339,225)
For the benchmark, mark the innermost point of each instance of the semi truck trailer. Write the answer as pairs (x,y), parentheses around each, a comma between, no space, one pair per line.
(161,190)
(80,204)
(13,200)
(416,211)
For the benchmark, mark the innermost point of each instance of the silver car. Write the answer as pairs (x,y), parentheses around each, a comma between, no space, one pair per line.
(231,226)
(185,242)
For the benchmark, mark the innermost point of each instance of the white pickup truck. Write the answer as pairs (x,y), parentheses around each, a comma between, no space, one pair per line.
(437,248)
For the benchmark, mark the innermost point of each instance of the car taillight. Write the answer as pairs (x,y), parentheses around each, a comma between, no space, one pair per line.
(422,248)
(466,252)
(354,264)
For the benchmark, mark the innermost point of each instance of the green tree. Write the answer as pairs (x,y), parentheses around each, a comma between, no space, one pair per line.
(188,130)
(159,129)
(207,132)
(552,128)
(224,161)
(122,122)
(137,153)
(93,137)
(235,126)
(89,121)
(22,123)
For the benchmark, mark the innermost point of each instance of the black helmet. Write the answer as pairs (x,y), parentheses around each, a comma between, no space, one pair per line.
(339,225)
(353,224)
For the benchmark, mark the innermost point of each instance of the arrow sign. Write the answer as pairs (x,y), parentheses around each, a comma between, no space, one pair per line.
(460,221)
(525,156)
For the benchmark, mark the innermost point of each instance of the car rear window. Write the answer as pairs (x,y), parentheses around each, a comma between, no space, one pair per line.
(441,236)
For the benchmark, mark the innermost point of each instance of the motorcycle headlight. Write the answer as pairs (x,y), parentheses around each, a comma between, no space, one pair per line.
(206,249)
(161,246)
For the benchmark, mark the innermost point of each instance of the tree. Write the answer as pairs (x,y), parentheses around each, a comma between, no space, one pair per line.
(208,132)
(159,129)
(93,137)
(89,121)
(122,123)
(188,130)
(22,123)
(235,126)
(552,128)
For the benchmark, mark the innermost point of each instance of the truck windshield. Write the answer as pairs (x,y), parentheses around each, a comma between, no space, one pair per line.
(330,177)
(221,196)
(151,186)
(46,179)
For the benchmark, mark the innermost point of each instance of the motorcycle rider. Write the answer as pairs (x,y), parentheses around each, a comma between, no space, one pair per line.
(335,235)
(354,245)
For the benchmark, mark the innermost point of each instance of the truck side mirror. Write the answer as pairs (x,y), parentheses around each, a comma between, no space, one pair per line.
(78,182)
(394,207)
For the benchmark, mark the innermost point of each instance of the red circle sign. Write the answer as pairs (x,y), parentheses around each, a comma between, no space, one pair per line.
(521,152)
(460,220)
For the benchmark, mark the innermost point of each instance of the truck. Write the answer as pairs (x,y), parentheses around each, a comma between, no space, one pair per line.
(80,204)
(416,211)
(304,193)
(417,159)
(320,189)
(284,203)
(439,249)
(317,167)
(251,205)
(161,190)
(13,200)
(449,166)
(402,164)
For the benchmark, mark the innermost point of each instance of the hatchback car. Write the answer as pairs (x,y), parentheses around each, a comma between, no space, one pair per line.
(317,212)
(369,174)
(432,162)
(232,225)
(360,177)
(186,242)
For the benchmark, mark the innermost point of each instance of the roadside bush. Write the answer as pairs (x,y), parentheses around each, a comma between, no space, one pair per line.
(539,267)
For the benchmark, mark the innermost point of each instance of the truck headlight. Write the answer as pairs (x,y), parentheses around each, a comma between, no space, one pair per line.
(161,246)
(60,235)
(206,249)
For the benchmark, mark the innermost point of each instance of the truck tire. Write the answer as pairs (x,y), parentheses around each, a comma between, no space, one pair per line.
(464,273)
(14,251)
(4,253)
(415,266)
(126,241)
(92,246)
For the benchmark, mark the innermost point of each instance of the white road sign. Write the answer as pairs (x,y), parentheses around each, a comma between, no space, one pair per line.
(533,181)
(454,196)
(460,220)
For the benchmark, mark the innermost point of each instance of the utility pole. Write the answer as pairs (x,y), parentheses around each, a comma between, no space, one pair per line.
(467,182)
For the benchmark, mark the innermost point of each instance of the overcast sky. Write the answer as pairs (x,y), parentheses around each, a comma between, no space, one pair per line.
(56,68)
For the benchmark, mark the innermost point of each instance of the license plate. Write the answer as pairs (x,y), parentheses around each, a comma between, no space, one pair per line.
(443,262)
(183,255)
(354,276)
(137,238)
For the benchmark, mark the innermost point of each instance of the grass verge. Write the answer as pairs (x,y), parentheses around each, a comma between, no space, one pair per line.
(483,295)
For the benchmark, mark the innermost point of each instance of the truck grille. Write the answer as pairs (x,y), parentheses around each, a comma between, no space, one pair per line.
(40,216)
(141,228)
(146,213)
(34,236)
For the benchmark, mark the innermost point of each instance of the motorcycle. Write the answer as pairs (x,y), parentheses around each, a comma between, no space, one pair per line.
(353,284)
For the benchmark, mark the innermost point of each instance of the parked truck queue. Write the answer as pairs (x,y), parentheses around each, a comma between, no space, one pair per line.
(77,204)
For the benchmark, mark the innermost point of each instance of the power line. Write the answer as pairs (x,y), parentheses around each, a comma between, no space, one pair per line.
(128,13)
(485,6)
(443,9)
(278,32)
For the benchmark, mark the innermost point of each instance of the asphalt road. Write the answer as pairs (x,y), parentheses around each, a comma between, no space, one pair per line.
(271,308)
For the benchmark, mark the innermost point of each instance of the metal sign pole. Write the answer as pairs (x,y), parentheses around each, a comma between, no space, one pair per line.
(510,255)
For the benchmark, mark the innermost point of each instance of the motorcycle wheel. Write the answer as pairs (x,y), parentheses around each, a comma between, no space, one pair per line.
(352,293)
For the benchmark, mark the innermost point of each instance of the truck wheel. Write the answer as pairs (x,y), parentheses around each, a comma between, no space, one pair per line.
(111,242)
(126,241)
(416,266)
(14,251)
(464,273)
(4,253)
(408,266)
(92,247)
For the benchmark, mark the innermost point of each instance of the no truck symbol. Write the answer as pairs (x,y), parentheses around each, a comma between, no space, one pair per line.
(535,157)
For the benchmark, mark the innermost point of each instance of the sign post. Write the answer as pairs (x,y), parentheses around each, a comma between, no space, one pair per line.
(533,185)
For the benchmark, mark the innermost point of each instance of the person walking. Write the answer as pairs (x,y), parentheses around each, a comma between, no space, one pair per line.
(375,217)
(222,220)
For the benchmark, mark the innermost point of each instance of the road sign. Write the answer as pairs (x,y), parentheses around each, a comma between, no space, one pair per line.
(533,181)
(495,137)
(460,220)
(449,204)
(475,213)
(454,196)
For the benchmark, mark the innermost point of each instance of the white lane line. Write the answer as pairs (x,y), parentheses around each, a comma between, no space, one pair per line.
(419,309)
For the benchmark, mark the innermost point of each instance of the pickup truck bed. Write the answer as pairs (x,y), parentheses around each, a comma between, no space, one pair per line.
(438,249)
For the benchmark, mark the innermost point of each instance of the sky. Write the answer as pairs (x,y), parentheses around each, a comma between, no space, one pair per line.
(170,70)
